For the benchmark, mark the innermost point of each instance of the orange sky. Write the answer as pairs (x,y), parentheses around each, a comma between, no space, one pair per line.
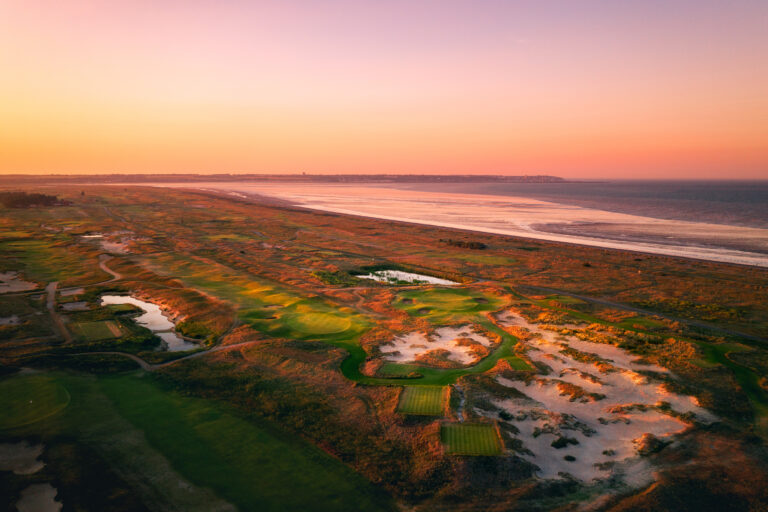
(657,89)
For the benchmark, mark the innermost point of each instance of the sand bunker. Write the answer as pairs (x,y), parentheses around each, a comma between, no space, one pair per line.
(11,282)
(21,458)
(112,243)
(393,276)
(592,413)
(38,498)
(9,320)
(462,345)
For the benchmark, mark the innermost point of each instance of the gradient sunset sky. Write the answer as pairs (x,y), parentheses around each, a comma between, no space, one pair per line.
(621,89)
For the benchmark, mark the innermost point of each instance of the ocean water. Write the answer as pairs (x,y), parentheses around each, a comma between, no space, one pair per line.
(734,203)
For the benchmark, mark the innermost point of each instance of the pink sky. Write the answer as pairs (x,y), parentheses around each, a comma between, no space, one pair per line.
(657,89)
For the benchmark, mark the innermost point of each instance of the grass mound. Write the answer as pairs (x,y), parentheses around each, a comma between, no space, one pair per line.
(30,398)
(318,323)
(441,304)
(422,400)
(470,439)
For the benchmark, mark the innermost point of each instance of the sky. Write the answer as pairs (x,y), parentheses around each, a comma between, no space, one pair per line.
(573,88)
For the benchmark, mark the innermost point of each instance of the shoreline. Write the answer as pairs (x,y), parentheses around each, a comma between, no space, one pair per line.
(736,257)
(695,253)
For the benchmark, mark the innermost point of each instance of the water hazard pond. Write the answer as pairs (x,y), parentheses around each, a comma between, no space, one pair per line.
(154,320)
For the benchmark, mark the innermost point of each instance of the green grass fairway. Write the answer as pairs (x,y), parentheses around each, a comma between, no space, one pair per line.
(95,331)
(266,306)
(187,451)
(422,400)
(318,323)
(29,398)
(250,466)
(469,439)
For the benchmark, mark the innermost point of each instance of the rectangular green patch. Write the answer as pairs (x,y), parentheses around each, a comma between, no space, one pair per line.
(94,331)
(470,439)
(422,400)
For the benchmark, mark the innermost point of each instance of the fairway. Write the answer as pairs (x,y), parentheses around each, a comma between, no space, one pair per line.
(94,331)
(244,462)
(422,400)
(30,398)
(294,316)
(318,323)
(470,439)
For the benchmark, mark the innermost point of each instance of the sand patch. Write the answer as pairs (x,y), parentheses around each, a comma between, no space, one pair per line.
(11,282)
(38,498)
(393,276)
(21,458)
(10,320)
(457,344)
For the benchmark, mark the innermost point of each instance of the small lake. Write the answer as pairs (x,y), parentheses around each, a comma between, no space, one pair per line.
(393,276)
(154,320)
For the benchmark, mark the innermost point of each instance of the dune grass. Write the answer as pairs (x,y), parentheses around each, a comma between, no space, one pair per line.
(43,260)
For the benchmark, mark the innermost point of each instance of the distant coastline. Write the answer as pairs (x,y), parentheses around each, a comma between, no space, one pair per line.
(21,179)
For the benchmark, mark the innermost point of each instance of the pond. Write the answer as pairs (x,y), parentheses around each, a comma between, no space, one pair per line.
(154,320)
(393,276)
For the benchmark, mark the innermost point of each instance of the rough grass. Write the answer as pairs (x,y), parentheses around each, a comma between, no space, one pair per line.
(422,400)
(94,331)
(470,439)
(26,399)
(44,260)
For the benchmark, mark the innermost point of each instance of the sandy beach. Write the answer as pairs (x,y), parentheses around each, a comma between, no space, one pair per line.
(522,217)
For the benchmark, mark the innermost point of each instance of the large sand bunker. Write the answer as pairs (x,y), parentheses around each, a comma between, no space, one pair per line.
(594,412)
(459,344)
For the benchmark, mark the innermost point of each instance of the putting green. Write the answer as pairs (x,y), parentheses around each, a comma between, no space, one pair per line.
(28,399)
(318,323)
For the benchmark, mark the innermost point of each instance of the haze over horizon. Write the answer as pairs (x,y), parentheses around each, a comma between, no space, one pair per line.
(588,89)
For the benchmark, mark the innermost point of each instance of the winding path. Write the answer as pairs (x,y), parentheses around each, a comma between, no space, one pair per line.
(51,305)
(151,367)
